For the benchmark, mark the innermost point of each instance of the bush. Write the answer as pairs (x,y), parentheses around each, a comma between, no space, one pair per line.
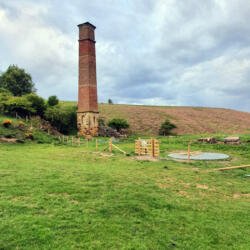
(25,105)
(118,124)
(53,100)
(21,125)
(4,96)
(17,81)
(7,123)
(41,137)
(104,130)
(101,122)
(37,103)
(166,128)
(62,118)
(19,105)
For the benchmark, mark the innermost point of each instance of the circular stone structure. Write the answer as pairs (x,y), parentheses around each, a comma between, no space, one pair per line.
(200,156)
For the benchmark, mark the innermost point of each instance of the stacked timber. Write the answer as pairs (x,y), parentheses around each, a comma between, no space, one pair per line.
(210,140)
(232,140)
(148,147)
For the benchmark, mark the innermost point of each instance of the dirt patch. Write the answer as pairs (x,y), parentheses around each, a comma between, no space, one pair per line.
(163,185)
(240,195)
(185,184)
(8,140)
(183,193)
(201,186)
(145,158)
(106,154)
(166,182)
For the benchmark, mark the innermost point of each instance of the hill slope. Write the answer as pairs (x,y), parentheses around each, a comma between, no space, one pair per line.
(146,120)
(189,120)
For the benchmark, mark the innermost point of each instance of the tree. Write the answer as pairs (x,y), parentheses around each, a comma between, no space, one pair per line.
(166,127)
(4,97)
(53,100)
(17,81)
(110,101)
(118,124)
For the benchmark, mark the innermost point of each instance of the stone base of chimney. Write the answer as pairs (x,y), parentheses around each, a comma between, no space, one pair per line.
(87,123)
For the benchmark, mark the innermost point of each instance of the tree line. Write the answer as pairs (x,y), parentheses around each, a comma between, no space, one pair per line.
(18,98)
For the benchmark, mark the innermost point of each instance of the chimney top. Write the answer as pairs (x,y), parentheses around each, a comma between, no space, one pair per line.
(86,24)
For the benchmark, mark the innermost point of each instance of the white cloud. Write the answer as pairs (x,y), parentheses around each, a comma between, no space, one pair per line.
(154,52)
(41,49)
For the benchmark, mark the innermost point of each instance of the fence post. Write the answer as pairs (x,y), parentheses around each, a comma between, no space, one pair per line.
(139,144)
(153,147)
(96,144)
(110,145)
(189,151)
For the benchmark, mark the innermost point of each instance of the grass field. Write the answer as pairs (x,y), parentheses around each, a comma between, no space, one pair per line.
(64,197)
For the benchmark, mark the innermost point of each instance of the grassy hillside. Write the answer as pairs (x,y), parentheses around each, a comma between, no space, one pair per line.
(25,130)
(64,197)
(146,120)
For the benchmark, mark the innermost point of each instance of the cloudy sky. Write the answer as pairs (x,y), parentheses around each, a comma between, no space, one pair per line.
(156,52)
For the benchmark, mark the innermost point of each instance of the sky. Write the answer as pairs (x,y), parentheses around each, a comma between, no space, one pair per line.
(153,52)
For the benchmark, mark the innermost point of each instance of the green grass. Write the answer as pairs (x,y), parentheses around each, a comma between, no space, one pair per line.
(63,197)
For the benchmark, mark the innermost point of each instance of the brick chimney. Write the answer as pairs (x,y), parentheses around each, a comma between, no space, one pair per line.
(87,113)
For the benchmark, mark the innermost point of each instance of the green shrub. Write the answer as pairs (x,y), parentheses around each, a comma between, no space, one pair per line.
(7,123)
(4,96)
(53,100)
(166,127)
(19,105)
(26,105)
(118,124)
(37,103)
(41,137)
(62,118)
(101,122)
(21,125)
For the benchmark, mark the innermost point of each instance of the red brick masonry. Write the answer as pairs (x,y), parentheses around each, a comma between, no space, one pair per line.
(87,92)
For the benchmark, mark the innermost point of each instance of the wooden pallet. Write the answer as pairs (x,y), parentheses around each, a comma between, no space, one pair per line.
(149,147)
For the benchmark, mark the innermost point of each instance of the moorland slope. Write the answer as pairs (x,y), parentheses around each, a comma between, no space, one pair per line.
(146,120)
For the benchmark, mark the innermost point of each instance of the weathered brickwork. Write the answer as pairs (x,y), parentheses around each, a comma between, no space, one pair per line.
(87,113)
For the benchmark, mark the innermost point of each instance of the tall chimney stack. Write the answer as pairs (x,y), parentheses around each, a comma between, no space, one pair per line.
(87,113)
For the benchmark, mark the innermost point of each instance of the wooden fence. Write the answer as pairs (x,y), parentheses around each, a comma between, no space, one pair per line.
(149,147)
(71,140)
